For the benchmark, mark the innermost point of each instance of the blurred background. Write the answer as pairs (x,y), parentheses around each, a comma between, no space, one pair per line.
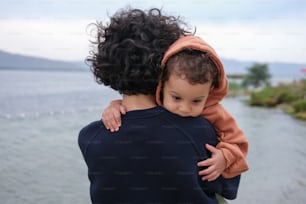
(47,92)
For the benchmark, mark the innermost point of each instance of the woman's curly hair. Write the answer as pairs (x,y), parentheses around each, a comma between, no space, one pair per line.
(128,51)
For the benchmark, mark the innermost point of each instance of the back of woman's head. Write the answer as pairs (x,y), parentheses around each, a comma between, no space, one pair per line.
(129,49)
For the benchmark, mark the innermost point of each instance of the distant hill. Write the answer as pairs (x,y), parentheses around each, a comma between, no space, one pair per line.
(22,62)
(276,69)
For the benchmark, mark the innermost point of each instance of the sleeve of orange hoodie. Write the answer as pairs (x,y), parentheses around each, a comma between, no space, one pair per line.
(233,141)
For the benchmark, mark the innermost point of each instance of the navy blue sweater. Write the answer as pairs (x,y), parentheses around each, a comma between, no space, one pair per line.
(151,159)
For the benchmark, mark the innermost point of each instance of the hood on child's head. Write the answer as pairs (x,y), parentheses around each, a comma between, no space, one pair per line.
(196,43)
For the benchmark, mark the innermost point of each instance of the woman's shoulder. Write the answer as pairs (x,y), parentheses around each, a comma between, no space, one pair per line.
(89,131)
(92,126)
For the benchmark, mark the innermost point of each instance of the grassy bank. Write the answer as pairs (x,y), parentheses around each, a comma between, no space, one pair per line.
(235,89)
(289,97)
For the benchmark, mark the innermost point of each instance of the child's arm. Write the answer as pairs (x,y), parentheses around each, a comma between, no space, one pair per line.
(233,142)
(111,116)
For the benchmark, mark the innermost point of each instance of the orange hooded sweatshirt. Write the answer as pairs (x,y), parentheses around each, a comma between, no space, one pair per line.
(233,142)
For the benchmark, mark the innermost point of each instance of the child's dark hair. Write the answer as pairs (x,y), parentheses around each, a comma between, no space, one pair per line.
(129,49)
(195,66)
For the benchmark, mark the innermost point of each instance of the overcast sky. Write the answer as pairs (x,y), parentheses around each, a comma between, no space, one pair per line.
(259,30)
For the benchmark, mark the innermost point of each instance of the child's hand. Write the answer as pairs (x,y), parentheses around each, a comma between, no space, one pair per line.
(111,117)
(215,165)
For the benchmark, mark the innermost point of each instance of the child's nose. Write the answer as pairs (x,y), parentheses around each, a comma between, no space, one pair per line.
(184,108)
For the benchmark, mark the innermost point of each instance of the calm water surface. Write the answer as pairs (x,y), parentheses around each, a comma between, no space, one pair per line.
(41,114)
(276,156)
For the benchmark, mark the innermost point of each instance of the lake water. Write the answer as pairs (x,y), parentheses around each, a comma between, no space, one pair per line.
(41,114)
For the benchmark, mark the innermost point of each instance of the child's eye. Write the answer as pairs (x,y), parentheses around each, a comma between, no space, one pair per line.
(177,98)
(197,101)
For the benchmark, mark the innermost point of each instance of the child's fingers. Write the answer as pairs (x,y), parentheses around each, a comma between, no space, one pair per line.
(111,118)
(105,121)
(211,148)
(122,110)
(116,121)
(112,122)
(209,174)
(109,121)
(204,163)
(212,171)
(210,177)
(206,171)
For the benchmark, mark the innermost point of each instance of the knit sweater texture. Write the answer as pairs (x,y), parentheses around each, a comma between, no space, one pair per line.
(151,159)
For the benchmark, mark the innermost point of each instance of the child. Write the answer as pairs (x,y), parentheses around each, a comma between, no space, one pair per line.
(228,158)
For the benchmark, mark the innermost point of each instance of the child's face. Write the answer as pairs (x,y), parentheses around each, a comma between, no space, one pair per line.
(184,99)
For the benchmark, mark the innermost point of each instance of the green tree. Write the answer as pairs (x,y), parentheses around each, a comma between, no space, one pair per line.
(258,75)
